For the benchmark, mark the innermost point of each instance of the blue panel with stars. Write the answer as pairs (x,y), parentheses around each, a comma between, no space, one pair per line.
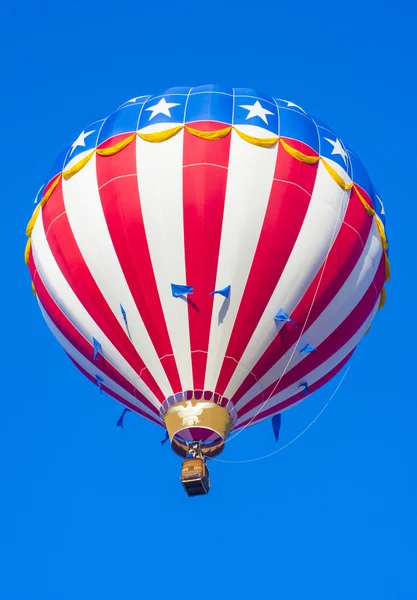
(359,174)
(332,147)
(124,120)
(296,125)
(209,107)
(169,109)
(87,140)
(255,111)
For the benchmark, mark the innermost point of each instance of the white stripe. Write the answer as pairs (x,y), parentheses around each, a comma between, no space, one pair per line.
(89,366)
(159,168)
(68,302)
(318,373)
(88,224)
(339,309)
(320,227)
(249,182)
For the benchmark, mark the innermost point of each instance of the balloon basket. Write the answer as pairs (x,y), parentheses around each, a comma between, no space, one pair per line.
(195,477)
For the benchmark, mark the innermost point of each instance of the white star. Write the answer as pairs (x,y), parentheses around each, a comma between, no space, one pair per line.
(257,110)
(80,141)
(162,108)
(337,148)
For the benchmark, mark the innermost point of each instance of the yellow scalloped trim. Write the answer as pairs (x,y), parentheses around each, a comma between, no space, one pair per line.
(32,221)
(366,206)
(162,136)
(209,135)
(117,147)
(77,167)
(305,158)
(49,191)
(261,142)
(382,298)
(335,176)
(381,231)
(387,268)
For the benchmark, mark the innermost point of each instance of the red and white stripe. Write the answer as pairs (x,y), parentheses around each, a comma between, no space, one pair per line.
(92,370)
(320,375)
(207,213)
(205,176)
(75,323)
(250,177)
(340,308)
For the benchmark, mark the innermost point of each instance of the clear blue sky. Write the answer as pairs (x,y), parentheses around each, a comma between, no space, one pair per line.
(82,513)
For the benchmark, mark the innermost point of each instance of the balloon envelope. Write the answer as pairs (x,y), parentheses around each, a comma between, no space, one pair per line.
(208,244)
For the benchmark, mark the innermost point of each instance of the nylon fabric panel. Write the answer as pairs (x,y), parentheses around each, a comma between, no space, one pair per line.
(344,255)
(322,373)
(250,177)
(119,193)
(356,321)
(83,207)
(204,189)
(91,368)
(321,224)
(338,309)
(159,168)
(287,208)
(70,304)
(82,345)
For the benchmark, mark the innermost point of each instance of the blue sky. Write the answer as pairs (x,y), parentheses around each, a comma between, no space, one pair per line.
(84,512)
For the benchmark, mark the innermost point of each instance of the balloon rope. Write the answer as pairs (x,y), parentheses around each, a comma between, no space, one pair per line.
(262,406)
(297,437)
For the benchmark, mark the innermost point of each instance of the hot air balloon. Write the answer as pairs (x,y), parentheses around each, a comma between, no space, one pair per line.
(209,257)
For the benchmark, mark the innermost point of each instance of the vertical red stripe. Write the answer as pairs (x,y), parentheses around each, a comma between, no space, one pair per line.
(119,193)
(204,190)
(340,336)
(285,213)
(343,256)
(76,339)
(74,268)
